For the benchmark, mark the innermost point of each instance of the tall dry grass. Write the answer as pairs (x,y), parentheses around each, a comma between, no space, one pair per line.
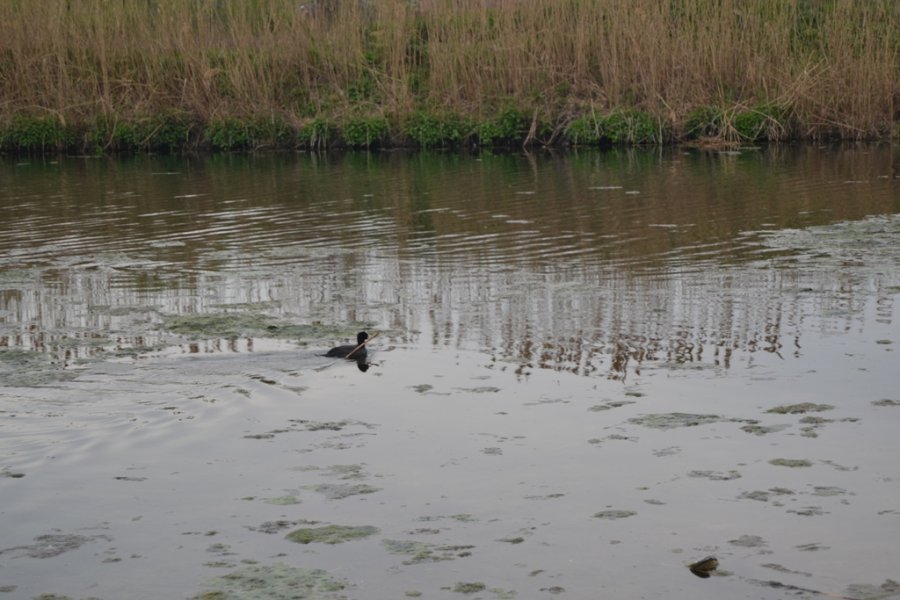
(832,65)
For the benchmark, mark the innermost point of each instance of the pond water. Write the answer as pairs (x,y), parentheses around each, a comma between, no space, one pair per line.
(590,371)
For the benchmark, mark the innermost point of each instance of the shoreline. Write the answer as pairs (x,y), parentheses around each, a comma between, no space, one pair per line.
(179,132)
(175,76)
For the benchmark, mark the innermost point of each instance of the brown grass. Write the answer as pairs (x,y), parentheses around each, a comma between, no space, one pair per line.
(831,65)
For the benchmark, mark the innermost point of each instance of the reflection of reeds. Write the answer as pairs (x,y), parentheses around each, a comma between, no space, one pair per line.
(828,67)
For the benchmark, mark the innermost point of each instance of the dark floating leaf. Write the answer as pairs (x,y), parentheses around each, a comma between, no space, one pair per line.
(702,568)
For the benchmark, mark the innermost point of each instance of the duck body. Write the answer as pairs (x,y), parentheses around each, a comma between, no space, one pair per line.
(345,350)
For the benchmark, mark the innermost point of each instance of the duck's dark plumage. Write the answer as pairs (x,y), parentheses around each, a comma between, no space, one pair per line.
(343,351)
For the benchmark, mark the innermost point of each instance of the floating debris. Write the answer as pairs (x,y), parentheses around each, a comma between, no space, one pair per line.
(703,568)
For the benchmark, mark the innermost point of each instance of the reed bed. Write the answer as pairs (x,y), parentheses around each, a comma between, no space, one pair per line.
(236,73)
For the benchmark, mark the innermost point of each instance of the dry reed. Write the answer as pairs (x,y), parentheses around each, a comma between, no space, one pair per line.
(831,66)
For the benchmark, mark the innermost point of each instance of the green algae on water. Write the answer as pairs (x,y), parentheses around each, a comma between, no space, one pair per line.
(790,462)
(339,491)
(716,475)
(239,324)
(469,587)
(886,402)
(273,582)
(803,407)
(283,500)
(674,420)
(614,514)
(748,541)
(422,552)
(331,534)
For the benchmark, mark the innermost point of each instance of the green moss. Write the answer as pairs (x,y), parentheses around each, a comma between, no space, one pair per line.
(331,534)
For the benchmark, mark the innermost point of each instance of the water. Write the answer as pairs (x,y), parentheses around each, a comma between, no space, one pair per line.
(591,370)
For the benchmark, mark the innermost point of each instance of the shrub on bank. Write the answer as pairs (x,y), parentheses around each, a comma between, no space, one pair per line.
(618,128)
(35,134)
(429,130)
(506,129)
(365,132)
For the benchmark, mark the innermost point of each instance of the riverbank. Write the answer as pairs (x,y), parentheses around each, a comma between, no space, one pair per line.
(102,77)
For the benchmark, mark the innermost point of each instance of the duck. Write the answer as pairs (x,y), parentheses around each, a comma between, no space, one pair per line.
(352,351)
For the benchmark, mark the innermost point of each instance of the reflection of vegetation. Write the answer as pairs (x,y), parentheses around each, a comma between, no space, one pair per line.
(282,247)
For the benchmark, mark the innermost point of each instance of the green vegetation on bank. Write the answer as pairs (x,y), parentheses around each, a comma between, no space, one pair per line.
(226,75)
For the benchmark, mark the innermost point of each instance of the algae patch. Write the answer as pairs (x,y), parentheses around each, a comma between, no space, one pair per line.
(331,534)
(282,500)
(790,462)
(469,587)
(716,475)
(421,552)
(674,420)
(886,402)
(803,407)
(339,491)
(23,368)
(273,582)
(53,544)
(240,324)
(748,541)
(614,514)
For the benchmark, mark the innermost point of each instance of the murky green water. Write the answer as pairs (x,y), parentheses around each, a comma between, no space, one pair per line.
(592,370)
